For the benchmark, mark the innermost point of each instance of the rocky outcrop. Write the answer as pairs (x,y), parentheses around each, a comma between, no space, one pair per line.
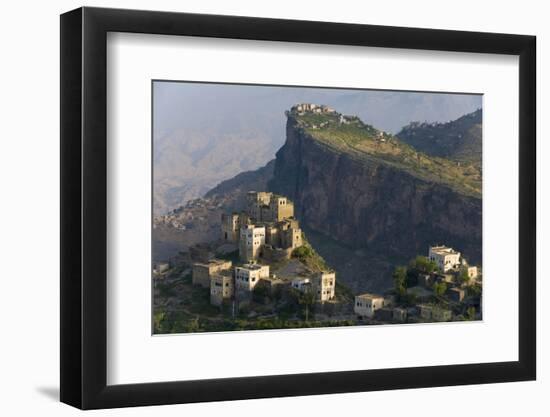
(369,204)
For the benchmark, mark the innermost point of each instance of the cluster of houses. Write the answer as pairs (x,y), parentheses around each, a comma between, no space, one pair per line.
(450,266)
(302,108)
(265,232)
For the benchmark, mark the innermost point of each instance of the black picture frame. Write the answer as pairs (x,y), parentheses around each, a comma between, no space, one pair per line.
(84,207)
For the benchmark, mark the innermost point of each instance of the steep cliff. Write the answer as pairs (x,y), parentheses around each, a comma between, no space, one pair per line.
(369,191)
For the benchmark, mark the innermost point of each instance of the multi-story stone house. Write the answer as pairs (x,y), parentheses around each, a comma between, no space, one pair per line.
(268,220)
(202,272)
(230,227)
(285,234)
(221,287)
(249,275)
(321,284)
(251,241)
(366,304)
(255,201)
(472,272)
(446,258)
(290,234)
(324,284)
(268,207)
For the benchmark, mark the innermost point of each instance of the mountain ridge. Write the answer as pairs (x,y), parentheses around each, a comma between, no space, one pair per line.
(459,139)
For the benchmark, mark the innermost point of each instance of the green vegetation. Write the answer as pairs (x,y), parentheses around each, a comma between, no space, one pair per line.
(423,265)
(439,288)
(459,139)
(463,277)
(309,257)
(471,313)
(364,142)
(473,290)
(400,281)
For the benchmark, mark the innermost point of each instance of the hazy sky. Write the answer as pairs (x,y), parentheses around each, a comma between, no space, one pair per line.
(181,104)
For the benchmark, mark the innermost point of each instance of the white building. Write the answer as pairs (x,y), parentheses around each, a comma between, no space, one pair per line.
(301,283)
(472,272)
(366,304)
(221,287)
(252,238)
(446,258)
(248,276)
(324,284)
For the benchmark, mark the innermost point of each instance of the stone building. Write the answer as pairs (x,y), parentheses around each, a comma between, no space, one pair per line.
(251,241)
(230,227)
(290,234)
(301,284)
(399,314)
(268,220)
(249,275)
(302,108)
(446,258)
(366,304)
(472,272)
(268,207)
(384,314)
(456,294)
(324,284)
(221,287)
(255,201)
(161,267)
(202,272)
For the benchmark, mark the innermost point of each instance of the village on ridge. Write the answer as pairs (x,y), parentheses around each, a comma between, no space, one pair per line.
(267,234)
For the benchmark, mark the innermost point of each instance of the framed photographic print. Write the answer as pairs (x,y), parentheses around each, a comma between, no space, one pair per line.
(256,208)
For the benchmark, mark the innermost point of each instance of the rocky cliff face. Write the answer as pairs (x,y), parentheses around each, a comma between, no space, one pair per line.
(371,205)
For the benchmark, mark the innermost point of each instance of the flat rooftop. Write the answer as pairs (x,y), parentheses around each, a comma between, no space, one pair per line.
(253,267)
(212,262)
(368,296)
(443,250)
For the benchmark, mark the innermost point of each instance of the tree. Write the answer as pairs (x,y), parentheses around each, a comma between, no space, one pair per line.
(158,320)
(463,277)
(471,313)
(439,288)
(307,299)
(302,252)
(400,280)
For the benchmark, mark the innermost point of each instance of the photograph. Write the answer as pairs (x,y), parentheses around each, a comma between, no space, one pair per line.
(288,207)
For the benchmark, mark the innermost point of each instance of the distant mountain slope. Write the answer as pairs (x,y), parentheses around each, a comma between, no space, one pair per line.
(459,139)
(244,182)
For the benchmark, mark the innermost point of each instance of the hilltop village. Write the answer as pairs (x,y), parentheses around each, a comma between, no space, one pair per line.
(261,272)
(275,276)
(266,233)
